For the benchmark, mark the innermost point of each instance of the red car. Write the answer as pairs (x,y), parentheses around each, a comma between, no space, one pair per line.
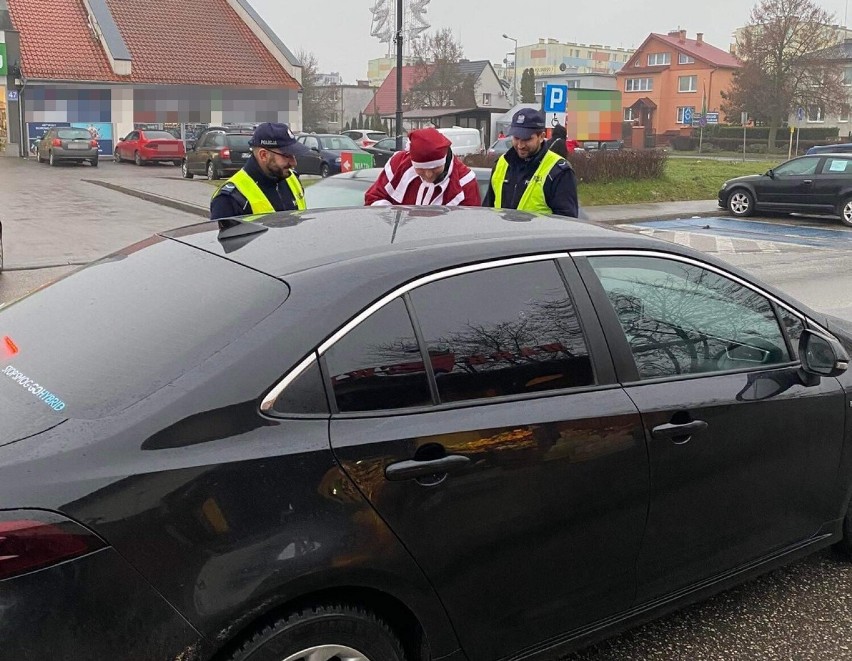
(143,147)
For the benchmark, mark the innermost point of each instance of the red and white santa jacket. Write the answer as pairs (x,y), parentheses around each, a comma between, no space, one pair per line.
(399,184)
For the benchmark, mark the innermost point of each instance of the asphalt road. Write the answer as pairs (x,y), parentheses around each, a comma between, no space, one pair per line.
(801,612)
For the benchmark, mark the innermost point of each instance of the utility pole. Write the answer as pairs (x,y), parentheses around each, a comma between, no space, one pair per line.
(399,75)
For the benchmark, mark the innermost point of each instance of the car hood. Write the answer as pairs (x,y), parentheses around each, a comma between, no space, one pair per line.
(748,178)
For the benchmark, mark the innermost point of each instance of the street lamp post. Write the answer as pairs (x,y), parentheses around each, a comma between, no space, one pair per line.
(515,77)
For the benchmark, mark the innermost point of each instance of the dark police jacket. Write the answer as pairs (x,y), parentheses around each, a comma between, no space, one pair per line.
(230,202)
(560,187)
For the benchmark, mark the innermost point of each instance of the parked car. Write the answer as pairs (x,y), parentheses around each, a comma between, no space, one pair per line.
(67,144)
(143,147)
(840,148)
(365,137)
(384,149)
(603,145)
(217,154)
(820,184)
(348,188)
(326,153)
(466,141)
(404,433)
(500,146)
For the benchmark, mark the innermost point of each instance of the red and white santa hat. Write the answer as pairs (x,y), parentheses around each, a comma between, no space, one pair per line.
(428,148)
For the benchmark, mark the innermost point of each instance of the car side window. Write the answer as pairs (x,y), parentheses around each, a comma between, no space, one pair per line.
(793,326)
(837,166)
(502,331)
(683,319)
(378,364)
(305,395)
(219,140)
(799,166)
(311,143)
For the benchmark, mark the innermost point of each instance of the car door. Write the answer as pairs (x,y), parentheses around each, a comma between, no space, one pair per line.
(833,182)
(791,185)
(44,143)
(309,163)
(741,450)
(127,146)
(490,436)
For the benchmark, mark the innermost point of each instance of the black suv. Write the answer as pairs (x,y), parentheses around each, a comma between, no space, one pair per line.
(218,152)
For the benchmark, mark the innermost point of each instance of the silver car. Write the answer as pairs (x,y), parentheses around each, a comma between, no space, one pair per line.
(62,143)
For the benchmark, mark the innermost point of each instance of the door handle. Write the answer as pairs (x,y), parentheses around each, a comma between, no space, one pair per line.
(406,470)
(808,181)
(683,432)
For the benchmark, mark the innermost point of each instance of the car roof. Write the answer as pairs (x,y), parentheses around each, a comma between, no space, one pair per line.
(373,237)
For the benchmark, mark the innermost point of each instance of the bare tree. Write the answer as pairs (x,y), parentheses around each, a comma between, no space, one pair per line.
(438,82)
(788,60)
(319,102)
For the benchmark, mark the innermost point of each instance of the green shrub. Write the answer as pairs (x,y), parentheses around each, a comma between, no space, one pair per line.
(604,166)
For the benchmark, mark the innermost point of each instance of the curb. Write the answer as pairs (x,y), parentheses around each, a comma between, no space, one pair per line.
(162,200)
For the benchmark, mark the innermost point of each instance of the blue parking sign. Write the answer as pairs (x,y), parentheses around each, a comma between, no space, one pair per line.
(555,98)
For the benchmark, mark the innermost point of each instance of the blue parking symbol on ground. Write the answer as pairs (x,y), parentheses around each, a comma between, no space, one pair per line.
(555,98)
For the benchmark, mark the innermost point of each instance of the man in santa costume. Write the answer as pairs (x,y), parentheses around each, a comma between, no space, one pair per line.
(427,173)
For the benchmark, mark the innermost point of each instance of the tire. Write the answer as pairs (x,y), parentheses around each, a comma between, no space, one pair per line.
(184,170)
(327,632)
(39,159)
(324,170)
(212,171)
(845,211)
(138,159)
(177,163)
(844,546)
(740,203)
(116,156)
(94,162)
(51,160)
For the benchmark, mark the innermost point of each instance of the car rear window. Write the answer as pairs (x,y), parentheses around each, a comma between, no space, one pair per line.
(376,136)
(120,329)
(73,134)
(239,142)
(159,135)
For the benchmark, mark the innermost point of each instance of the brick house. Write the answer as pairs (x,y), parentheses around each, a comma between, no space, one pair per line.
(670,77)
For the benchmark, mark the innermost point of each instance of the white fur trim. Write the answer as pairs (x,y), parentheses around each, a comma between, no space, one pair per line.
(381,203)
(470,176)
(428,165)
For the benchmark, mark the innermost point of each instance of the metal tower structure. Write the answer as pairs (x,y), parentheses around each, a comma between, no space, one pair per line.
(384,22)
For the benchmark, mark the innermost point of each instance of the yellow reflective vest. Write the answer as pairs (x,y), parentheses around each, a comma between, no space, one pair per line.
(533,197)
(257,199)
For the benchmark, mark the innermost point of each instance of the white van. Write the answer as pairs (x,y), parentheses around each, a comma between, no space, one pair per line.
(465,141)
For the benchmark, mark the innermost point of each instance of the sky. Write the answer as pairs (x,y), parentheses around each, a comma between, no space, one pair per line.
(337,32)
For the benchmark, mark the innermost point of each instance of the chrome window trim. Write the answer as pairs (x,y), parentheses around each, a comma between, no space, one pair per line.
(292,375)
(704,265)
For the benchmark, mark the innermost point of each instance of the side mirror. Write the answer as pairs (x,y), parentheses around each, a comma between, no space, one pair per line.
(770,173)
(121,139)
(822,355)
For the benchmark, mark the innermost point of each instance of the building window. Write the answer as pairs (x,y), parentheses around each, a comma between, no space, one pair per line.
(659,59)
(683,58)
(815,114)
(847,75)
(687,83)
(639,85)
(844,113)
(629,115)
(680,112)
(486,99)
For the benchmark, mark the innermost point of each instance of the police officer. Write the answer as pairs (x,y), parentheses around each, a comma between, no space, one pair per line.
(529,177)
(267,181)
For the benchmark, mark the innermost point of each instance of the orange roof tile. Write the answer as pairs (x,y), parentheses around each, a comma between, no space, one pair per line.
(384,102)
(177,42)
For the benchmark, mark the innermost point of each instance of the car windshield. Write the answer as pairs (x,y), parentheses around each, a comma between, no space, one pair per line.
(337,142)
(118,330)
(159,135)
(464,140)
(74,134)
(239,142)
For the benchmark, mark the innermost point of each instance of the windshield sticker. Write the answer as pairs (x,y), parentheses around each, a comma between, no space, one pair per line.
(34,388)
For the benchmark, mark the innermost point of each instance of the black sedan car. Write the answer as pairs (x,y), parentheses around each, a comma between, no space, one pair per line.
(217,153)
(384,149)
(403,433)
(818,184)
(838,148)
(327,153)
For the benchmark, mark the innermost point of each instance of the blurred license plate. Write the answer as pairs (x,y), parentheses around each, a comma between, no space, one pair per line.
(245,154)
(78,145)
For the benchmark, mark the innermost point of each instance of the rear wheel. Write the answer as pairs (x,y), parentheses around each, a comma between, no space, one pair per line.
(740,203)
(178,163)
(184,170)
(845,211)
(212,171)
(94,162)
(323,633)
(137,158)
(39,159)
(51,159)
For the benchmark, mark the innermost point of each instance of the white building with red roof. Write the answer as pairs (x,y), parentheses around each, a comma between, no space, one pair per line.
(117,65)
